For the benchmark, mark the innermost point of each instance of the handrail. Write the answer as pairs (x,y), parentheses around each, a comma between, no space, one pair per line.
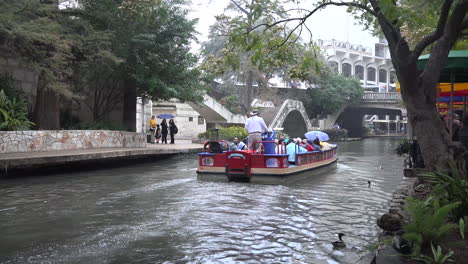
(381,96)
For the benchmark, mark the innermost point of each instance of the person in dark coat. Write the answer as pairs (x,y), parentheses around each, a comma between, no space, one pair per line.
(456,130)
(463,134)
(164,131)
(172,130)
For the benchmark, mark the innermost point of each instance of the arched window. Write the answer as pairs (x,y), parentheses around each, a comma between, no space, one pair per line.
(346,69)
(392,77)
(359,72)
(333,66)
(371,74)
(382,76)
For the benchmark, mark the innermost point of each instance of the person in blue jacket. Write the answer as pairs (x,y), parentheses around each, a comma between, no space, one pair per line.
(291,150)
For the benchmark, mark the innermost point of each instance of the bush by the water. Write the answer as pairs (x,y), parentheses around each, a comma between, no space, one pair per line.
(226,133)
(429,223)
(403,147)
(13,113)
(450,187)
(337,134)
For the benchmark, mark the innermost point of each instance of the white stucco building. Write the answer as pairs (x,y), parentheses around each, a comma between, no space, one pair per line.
(372,65)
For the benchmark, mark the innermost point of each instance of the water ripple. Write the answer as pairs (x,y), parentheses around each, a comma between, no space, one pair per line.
(160,213)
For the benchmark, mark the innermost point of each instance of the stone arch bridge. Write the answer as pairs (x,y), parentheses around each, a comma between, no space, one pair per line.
(292,118)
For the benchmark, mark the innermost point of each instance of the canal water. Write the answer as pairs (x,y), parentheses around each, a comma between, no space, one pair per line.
(160,213)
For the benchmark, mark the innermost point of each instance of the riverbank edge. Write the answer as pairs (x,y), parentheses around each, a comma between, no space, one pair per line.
(24,163)
(385,253)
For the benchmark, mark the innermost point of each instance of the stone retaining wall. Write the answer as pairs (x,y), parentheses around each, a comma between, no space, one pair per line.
(45,140)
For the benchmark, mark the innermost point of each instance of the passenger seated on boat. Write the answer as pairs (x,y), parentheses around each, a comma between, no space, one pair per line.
(316,146)
(236,145)
(291,150)
(306,145)
(326,145)
(280,147)
(215,147)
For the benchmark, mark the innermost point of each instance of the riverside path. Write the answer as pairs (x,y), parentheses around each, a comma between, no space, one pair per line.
(46,159)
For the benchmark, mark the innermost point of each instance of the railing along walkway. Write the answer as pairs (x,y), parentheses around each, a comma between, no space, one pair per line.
(379,97)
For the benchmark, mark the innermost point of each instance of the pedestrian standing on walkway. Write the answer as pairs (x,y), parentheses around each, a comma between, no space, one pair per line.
(152,128)
(172,130)
(158,133)
(255,125)
(164,131)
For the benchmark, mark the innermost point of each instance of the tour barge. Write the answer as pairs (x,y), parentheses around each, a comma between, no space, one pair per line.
(259,167)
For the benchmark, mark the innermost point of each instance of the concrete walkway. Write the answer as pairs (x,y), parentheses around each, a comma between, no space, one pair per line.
(25,160)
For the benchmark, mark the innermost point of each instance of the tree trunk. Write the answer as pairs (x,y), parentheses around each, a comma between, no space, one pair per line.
(250,91)
(129,105)
(434,140)
(47,110)
(246,93)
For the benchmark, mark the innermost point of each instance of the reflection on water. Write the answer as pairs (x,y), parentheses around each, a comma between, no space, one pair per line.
(160,213)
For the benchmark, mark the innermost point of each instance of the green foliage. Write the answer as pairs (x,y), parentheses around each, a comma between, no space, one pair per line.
(241,49)
(6,84)
(429,222)
(232,103)
(153,37)
(226,133)
(461,226)
(438,257)
(206,134)
(102,125)
(89,54)
(403,147)
(336,134)
(13,114)
(334,92)
(450,187)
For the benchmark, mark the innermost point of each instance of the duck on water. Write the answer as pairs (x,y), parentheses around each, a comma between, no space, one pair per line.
(339,243)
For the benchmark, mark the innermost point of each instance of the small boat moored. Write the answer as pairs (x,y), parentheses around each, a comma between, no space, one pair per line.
(216,162)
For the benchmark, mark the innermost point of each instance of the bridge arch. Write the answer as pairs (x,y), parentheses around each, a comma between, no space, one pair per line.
(292,118)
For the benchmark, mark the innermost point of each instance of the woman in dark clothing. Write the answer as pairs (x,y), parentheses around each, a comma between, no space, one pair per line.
(164,131)
(463,135)
(172,130)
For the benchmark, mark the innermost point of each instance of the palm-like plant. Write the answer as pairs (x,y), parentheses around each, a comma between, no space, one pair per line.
(13,114)
(429,223)
(438,257)
(450,187)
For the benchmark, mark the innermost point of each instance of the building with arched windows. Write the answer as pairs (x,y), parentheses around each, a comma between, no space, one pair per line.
(372,66)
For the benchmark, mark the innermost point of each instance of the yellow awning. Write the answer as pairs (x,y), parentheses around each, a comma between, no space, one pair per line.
(445,87)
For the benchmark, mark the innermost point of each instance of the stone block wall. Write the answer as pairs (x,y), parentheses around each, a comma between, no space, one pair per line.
(24,76)
(47,140)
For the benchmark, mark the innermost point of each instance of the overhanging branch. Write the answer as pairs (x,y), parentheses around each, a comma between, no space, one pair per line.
(240,7)
(429,39)
(465,23)
(303,19)
(393,36)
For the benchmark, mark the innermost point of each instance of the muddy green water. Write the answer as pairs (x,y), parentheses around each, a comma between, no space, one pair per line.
(160,213)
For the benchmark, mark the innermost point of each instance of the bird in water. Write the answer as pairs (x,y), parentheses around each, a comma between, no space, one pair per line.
(369,183)
(339,243)
(381,167)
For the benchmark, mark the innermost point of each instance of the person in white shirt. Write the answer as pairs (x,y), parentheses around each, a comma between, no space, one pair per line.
(255,125)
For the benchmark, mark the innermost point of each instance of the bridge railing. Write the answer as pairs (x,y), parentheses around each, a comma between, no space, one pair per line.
(376,96)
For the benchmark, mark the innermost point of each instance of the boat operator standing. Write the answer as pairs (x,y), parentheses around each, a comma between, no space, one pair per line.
(255,125)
